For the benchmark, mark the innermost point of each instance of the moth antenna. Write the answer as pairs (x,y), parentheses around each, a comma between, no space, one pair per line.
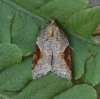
(44,22)
(52,21)
(71,47)
(60,15)
(47,17)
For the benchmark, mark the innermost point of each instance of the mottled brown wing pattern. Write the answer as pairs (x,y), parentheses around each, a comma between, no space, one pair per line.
(52,53)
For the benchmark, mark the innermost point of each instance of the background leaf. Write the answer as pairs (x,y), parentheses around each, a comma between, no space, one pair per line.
(85,55)
(87,21)
(79,54)
(6,16)
(9,54)
(92,75)
(44,88)
(78,92)
(53,8)
(20,27)
(25,31)
(15,77)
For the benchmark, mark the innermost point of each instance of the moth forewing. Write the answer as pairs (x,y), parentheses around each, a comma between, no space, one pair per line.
(42,62)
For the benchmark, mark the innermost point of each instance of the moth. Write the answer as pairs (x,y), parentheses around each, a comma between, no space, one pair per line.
(52,53)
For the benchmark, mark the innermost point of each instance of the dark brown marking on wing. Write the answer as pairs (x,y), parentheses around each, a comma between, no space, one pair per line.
(66,56)
(37,55)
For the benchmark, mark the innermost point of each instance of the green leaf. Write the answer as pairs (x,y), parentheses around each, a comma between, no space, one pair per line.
(79,54)
(83,23)
(9,54)
(18,78)
(56,8)
(85,60)
(15,77)
(53,8)
(25,31)
(85,56)
(45,87)
(78,92)
(6,16)
(20,26)
(92,70)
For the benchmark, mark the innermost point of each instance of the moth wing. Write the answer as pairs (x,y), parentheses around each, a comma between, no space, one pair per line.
(61,62)
(42,56)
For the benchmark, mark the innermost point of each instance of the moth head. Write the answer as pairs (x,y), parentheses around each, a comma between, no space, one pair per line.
(52,27)
(52,22)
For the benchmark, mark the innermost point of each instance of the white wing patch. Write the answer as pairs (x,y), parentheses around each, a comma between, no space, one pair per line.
(52,53)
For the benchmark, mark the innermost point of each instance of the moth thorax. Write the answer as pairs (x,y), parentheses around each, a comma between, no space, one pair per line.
(52,21)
